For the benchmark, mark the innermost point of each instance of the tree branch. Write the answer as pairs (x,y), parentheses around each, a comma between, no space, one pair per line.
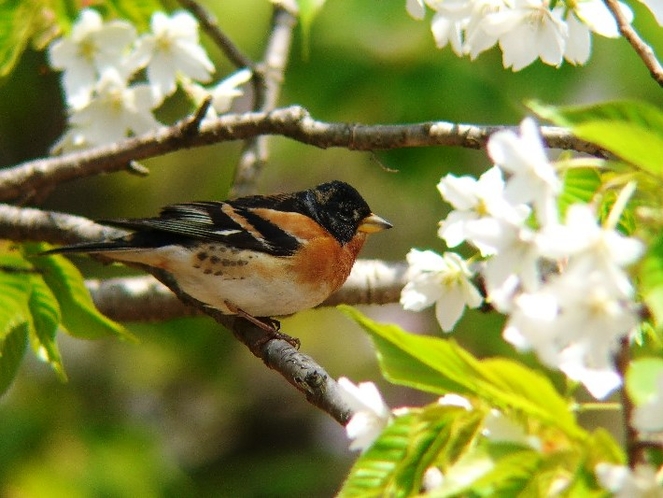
(267,89)
(634,451)
(211,26)
(644,51)
(299,369)
(144,298)
(26,179)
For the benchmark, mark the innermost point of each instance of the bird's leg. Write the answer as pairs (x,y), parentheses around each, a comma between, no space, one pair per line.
(268,324)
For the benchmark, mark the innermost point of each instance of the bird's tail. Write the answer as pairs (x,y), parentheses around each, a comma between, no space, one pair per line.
(120,244)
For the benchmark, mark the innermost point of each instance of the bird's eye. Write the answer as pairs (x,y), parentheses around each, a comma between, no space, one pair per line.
(346,215)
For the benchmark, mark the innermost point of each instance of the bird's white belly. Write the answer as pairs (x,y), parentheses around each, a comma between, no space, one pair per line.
(257,283)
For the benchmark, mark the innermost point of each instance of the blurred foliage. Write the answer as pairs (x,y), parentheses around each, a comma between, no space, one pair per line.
(188,411)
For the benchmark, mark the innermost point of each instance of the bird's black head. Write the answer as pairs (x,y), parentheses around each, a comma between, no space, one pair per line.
(340,209)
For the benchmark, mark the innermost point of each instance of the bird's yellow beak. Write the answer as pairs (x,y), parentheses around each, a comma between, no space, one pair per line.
(373,223)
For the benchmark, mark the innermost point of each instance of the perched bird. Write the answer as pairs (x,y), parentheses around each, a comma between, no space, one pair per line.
(256,256)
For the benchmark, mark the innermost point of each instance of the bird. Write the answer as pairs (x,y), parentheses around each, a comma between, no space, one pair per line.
(258,256)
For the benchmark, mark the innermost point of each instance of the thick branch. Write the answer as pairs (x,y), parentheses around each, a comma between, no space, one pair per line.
(142,298)
(644,51)
(25,179)
(297,368)
(145,299)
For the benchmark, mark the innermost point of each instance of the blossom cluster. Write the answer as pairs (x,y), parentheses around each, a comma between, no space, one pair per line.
(101,64)
(562,283)
(525,30)
(372,415)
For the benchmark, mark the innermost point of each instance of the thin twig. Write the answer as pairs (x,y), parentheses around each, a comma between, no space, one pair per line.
(26,179)
(644,51)
(195,120)
(210,25)
(635,451)
(266,92)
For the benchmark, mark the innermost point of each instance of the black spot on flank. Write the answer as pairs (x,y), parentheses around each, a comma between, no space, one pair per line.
(207,272)
(202,256)
(218,273)
(214,260)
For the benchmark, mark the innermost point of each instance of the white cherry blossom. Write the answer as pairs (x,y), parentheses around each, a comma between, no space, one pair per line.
(91,47)
(172,48)
(440,280)
(474,200)
(656,8)
(527,31)
(223,93)
(647,416)
(533,178)
(623,482)
(114,111)
(371,413)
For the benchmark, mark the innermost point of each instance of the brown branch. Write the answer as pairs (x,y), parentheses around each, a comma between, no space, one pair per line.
(299,369)
(644,51)
(21,224)
(267,86)
(144,299)
(635,452)
(210,25)
(294,122)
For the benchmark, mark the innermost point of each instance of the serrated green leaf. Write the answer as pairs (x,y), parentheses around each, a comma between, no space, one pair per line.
(395,464)
(441,366)
(631,130)
(45,312)
(19,21)
(511,475)
(15,289)
(80,317)
(641,379)
(580,186)
(650,274)
(12,349)
(138,12)
(602,447)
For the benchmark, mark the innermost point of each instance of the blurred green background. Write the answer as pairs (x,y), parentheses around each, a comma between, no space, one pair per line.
(189,411)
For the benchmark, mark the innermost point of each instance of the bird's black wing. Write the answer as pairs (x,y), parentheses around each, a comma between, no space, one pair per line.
(236,227)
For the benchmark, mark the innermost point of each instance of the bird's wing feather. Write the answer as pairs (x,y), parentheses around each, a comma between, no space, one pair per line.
(239,228)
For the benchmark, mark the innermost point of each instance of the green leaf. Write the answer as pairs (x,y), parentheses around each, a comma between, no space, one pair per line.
(511,474)
(308,11)
(580,186)
(14,315)
(80,317)
(441,366)
(137,12)
(651,279)
(641,379)
(395,464)
(602,447)
(12,349)
(17,20)
(631,130)
(45,312)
